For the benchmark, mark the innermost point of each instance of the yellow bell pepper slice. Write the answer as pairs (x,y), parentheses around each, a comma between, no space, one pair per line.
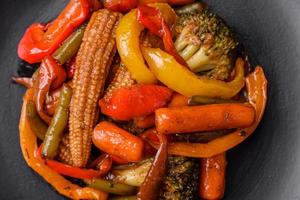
(128,44)
(180,79)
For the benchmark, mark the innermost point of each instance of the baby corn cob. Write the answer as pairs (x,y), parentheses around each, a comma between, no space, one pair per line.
(121,79)
(64,153)
(112,71)
(92,64)
(148,39)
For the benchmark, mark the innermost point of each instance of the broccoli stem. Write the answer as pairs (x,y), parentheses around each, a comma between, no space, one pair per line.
(189,51)
(181,42)
(200,61)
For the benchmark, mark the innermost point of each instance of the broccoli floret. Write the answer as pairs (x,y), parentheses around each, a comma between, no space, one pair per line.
(205,42)
(181,180)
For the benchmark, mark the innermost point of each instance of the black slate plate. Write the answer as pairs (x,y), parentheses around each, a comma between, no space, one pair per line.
(265,167)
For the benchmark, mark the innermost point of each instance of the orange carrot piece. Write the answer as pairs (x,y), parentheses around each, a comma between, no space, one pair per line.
(203,118)
(212,181)
(178,100)
(145,122)
(115,141)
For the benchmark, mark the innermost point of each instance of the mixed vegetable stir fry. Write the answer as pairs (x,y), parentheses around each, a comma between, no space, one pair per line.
(136,100)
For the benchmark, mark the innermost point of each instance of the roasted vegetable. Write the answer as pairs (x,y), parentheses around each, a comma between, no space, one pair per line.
(70,68)
(92,64)
(212,182)
(111,187)
(58,124)
(50,76)
(132,174)
(95,5)
(70,46)
(36,124)
(51,101)
(115,141)
(38,43)
(183,81)
(76,172)
(205,41)
(212,117)
(64,153)
(151,186)
(181,180)
(148,39)
(135,101)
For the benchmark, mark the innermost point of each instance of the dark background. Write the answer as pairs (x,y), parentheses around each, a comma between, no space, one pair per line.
(265,167)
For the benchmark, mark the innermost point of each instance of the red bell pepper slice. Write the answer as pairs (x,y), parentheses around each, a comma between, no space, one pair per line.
(150,188)
(95,5)
(50,76)
(136,101)
(75,172)
(120,5)
(70,66)
(40,40)
(153,20)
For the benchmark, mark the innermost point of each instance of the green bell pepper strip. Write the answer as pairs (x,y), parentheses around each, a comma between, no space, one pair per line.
(70,46)
(58,124)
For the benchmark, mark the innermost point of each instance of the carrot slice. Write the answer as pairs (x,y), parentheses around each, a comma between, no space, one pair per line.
(203,118)
(115,141)
(212,181)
